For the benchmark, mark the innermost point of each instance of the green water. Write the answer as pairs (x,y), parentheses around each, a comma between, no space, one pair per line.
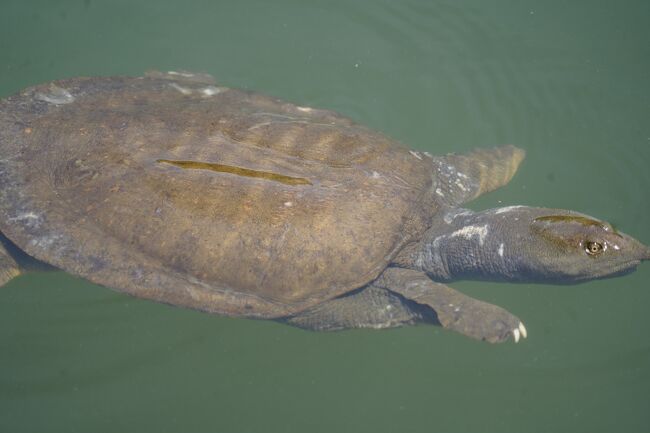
(567,81)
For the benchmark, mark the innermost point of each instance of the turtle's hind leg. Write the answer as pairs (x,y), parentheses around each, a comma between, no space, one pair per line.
(9,267)
(369,307)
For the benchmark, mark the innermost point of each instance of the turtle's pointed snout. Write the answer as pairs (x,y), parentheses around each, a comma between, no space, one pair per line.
(646,253)
(636,249)
(641,251)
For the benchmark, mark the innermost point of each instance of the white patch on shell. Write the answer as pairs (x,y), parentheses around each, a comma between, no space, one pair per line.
(616,247)
(181,74)
(416,154)
(30,219)
(45,242)
(56,95)
(469,232)
(451,216)
(500,251)
(210,91)
(25,216)
(379,325)
(506,209)
(183,90)
(288,203)
(305,109)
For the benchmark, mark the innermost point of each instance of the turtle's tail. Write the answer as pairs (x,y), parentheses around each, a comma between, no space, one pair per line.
(9,268)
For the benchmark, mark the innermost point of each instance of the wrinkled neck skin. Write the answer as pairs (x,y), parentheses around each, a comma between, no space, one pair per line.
(524,244)
(462,244)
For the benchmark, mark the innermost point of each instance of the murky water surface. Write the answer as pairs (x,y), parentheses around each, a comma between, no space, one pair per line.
(567,81)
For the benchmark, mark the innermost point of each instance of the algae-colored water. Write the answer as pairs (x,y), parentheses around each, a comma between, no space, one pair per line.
(567,81)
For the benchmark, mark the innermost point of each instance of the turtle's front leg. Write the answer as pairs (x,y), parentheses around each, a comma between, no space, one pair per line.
(454,310)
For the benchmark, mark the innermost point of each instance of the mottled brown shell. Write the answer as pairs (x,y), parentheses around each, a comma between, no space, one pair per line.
(173,189)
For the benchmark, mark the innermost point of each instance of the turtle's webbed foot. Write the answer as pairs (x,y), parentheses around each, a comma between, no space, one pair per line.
(480,320)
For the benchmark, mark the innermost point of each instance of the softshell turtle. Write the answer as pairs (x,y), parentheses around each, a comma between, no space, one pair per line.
(169,187)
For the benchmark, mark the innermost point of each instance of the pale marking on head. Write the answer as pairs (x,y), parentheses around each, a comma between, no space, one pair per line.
(375,175)
(288,203)
(56,95)
(506,209)
(211,91)
(470,231)
(579,219)
(415,154)
(305,109)
(183,90)
(500,250)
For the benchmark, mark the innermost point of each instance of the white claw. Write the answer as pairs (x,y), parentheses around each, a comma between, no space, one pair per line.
(515,333)
(522,329)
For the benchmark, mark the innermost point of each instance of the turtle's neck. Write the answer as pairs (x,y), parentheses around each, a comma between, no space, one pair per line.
(462,244)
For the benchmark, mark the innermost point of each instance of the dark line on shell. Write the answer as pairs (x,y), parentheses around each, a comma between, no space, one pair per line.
(240,171)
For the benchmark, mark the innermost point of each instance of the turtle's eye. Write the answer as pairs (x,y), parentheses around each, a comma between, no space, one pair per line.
(593,248)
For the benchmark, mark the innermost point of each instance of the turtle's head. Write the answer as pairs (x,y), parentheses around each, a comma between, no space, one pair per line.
(521,243)
(572,247)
